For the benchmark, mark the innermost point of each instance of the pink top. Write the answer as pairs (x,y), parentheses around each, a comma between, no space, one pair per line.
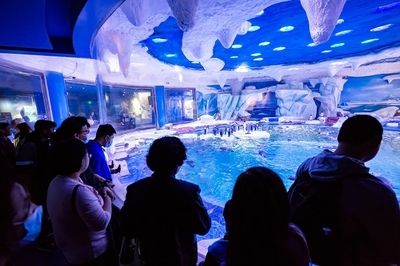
(80,230)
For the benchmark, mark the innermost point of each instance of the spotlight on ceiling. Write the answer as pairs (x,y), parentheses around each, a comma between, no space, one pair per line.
(264,44)
(339,21)
(343,32)
(335,45)
(286,28)
(381,28)
(254,28)
(369,41)
(280,48)
(236,46)
(159,40)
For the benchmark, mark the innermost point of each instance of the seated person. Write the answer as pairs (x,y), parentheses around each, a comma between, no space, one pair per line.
(98,162)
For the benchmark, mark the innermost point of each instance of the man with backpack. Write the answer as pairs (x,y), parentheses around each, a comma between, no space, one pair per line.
(349,216)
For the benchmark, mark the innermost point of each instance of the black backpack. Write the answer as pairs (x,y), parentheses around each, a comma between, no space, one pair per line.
(316,209)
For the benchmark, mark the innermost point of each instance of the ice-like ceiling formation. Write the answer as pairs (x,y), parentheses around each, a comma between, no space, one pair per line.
(322,17)
(202,41)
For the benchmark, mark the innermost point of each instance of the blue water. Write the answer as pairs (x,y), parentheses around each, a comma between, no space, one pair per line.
(214,164)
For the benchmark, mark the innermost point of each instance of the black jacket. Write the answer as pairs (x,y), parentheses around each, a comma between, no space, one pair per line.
(368,215)
(164,214)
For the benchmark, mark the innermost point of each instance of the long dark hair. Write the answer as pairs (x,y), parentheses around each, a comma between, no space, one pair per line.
(259,217)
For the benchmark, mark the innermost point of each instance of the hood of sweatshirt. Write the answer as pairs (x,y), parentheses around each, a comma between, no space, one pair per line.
(330,166)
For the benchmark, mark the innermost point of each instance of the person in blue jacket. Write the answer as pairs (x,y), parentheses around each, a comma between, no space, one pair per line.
(96,149)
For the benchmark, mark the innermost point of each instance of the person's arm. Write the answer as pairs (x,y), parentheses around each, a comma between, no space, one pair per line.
(89,208)
(202,221)
(128,215)
(384,224)
(108,196)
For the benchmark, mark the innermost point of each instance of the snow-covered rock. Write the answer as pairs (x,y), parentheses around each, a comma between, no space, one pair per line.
(299,103)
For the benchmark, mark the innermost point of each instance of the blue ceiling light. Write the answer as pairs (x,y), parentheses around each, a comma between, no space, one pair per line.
(339,21)
(258,59)
(370,40)
(171,55)
(255,54)
(343,32)
(381,28)
(286,29)
(280,48)
(312,44)
(336,45)
(236,46)
(254,28)
(159,40)
(326,51)
(234,56)
(264,43)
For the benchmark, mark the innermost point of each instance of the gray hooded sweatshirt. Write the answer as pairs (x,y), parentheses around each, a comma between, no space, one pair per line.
(370,215)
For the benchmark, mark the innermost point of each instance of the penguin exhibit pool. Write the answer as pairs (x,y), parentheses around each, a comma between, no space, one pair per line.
(214,161)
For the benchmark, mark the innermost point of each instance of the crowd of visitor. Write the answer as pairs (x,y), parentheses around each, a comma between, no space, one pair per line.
(57,197)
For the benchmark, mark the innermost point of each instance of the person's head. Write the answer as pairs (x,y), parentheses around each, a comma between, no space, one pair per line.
(166,155)
(105,135)
(5,129)
(70,157)
(45,127)
(258,219)
(73,127)
(360,136)
(23,129)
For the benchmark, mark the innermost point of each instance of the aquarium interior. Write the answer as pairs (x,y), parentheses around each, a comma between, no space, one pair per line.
(242,83)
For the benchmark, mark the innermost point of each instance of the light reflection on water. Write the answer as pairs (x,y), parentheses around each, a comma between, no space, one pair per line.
(215,163)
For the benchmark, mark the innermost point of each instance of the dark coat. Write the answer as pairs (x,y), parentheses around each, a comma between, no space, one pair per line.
(367,213)
(164,214)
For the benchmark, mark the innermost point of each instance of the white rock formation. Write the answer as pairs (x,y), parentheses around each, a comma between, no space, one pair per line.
(330,91)
(222,20)
(184,11)
(298,103)
(322,17)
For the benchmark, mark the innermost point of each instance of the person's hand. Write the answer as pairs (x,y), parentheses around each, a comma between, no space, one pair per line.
(106,192)
(111,165)
(118,169)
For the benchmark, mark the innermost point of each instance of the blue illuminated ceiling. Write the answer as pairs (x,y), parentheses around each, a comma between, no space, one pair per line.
(364,27)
